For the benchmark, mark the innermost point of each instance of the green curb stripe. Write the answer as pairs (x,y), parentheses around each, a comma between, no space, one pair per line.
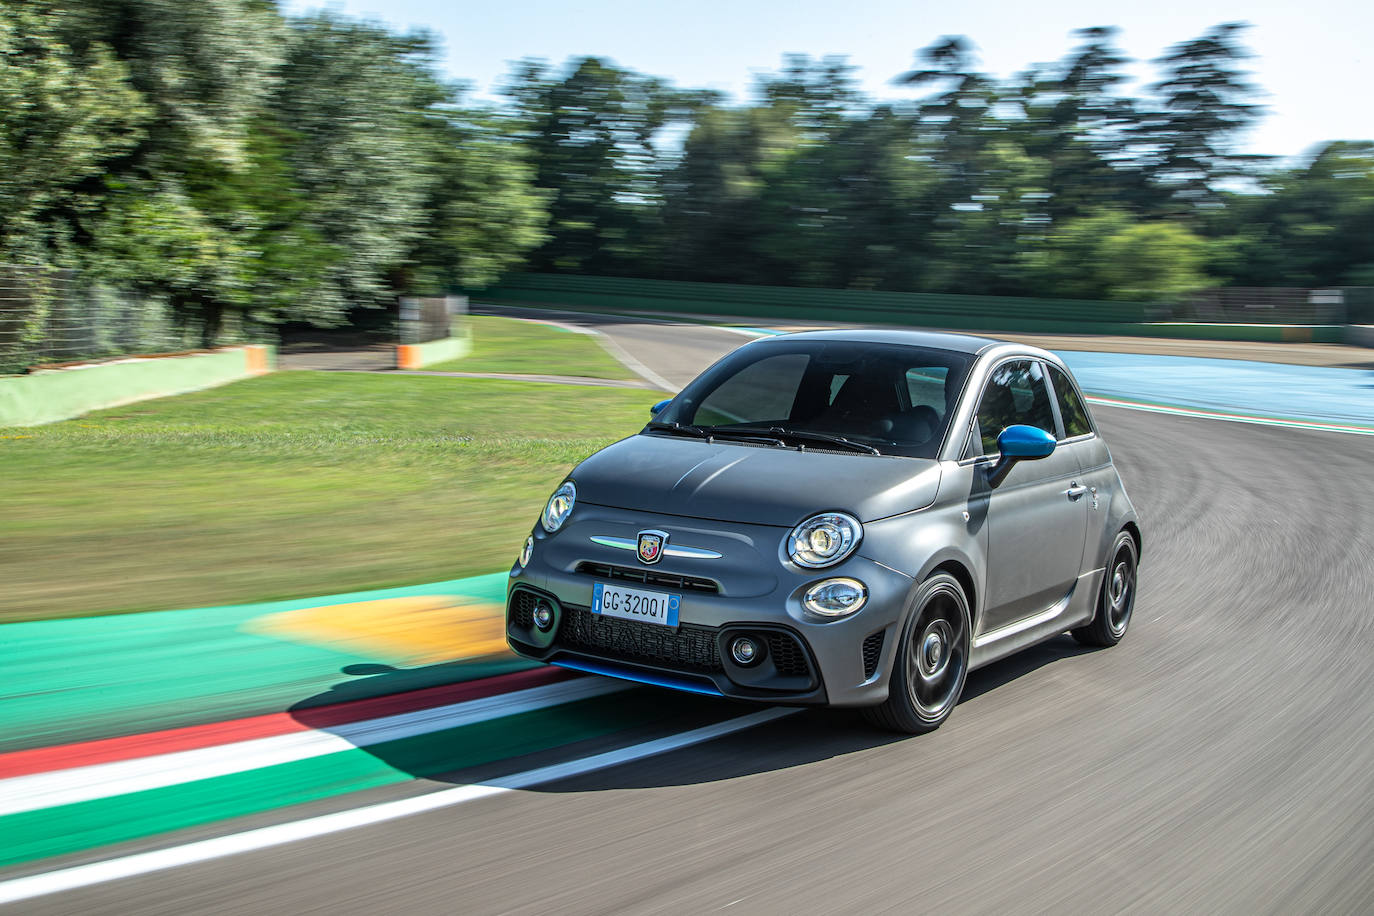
(165,669)
(86,825)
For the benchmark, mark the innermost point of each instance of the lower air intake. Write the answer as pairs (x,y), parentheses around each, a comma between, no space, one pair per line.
(686,648)
(873,651)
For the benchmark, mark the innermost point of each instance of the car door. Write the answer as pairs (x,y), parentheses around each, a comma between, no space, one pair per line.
(1037,516)
(1078,437)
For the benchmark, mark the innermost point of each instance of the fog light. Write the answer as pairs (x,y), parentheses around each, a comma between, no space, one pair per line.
(835,597)
(543,617)
(527,551)
(744,650)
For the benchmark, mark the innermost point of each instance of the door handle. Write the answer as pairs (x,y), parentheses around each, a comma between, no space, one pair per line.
(1075,492)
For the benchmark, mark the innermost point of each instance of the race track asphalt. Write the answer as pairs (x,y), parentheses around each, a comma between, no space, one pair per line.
(1221,759)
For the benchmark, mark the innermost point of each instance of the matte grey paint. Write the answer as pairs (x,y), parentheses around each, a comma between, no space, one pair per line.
(1032,548)
(758,484)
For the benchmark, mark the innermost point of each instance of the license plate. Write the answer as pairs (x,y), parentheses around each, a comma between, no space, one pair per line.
(635,604)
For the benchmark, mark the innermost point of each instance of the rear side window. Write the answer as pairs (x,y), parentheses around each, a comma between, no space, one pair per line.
(1071,409)
(1015,395)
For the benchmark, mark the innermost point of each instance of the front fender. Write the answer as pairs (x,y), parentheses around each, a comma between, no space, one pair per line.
(917,543)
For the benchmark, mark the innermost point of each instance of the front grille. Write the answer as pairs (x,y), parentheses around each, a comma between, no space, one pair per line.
(873,649)
(787,654)
(687,648)
(648,577)
(522,608)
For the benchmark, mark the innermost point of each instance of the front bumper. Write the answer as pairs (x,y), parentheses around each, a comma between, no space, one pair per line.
(751,589)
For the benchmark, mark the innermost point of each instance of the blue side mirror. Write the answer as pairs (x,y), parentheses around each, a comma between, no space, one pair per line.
(653,411)
(1019,443)
(1025,442)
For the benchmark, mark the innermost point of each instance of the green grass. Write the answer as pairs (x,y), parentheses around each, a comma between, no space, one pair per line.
(530,348)
(289,485)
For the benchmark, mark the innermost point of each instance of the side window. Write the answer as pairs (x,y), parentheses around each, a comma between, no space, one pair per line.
(836,383)
(761,392)
(1015,395)
(1071,407)
(926,387)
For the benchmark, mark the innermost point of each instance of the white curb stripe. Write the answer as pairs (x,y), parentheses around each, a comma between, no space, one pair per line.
(1232,417)
(265,837)
(105,780)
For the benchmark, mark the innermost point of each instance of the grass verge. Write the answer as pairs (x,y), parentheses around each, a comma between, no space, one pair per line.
(529,348)
(289,485)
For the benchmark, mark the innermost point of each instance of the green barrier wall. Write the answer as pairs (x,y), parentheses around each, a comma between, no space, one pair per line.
(59,394)
(417,356)
(933,310)
(1360,335)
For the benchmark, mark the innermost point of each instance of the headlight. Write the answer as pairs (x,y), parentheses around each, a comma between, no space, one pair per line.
(527,551)
(559,508)
(835,597)
(824,540)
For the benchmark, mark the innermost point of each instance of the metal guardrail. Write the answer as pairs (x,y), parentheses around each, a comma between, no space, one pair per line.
(1270,305)
(50,316)
(1245,308)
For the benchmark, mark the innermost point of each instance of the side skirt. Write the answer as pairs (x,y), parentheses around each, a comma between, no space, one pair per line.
(1074,609)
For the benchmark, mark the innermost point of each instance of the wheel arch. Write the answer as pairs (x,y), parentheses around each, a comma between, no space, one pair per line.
(1134,530)
(962,570)
(965,579)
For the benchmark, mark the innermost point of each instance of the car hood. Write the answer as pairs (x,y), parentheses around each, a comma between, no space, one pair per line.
(754,484)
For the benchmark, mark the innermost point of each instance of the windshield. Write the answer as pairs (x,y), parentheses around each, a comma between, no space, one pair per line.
(826,394)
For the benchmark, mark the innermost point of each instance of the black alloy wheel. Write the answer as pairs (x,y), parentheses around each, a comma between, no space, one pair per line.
(931,661)
(1116,600)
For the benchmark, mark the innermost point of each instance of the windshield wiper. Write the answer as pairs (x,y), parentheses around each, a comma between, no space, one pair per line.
(682,429)
(808,435)
(745,435)
(715,432)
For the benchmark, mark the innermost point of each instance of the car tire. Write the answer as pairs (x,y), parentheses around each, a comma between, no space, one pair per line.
(1116,598)
(930,665)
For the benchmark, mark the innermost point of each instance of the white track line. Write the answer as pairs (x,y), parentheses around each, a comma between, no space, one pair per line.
(629,362)
(619,353)
(1317,425)
(67,879)
(106,780)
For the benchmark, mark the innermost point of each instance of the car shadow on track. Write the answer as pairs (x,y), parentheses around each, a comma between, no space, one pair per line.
(497,748)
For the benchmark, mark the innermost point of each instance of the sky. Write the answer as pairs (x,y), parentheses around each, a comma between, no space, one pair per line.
(1312,59)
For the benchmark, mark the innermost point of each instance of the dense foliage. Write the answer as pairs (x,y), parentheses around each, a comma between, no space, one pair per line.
(1056,182)
(235,163)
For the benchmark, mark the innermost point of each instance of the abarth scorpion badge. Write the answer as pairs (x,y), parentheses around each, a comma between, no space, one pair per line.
(651,546)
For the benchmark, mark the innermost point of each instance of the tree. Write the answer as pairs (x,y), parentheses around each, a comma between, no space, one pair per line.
(978,243)
(482,215)
(206,68)
(1067,262)
(591,136)
(714,195)
(359,101)
(182,216)
(1314,226)
(1072,116)
(1153,262)
(1188,143)
(954,121)
(66,119)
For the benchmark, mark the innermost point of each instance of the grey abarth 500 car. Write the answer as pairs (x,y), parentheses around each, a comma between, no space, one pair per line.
(853,518)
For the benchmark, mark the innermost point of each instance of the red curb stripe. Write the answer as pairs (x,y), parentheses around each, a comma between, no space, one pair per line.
(129,747)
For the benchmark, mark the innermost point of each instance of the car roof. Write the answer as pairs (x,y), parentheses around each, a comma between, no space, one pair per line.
(935,340)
